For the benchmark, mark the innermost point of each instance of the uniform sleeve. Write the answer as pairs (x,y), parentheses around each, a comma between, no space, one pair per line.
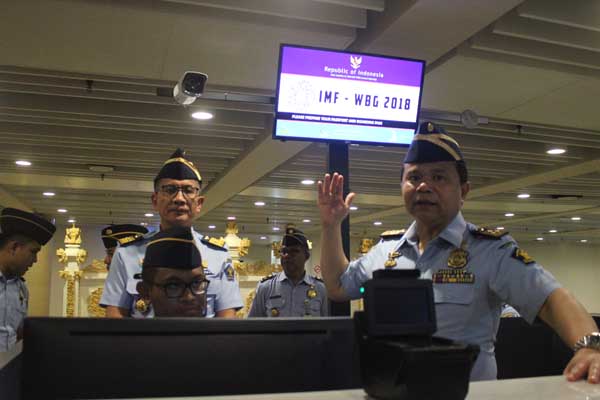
(258,304)
(359,271)
(115,287)
(525,286)
(229,296)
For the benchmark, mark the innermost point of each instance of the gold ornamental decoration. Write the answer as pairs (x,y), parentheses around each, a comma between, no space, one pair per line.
(365,245)
(243,313)
(62,256)
(93,302)
(73,236)
(71,277)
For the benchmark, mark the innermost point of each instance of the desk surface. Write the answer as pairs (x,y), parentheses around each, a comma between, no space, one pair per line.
(543,388)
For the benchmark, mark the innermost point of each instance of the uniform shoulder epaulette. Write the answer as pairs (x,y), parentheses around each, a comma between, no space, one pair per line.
(487,233)
(213,242)
(393,234)
(133,241)
(266,278)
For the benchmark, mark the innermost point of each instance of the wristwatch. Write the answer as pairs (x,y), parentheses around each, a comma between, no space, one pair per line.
(591,341)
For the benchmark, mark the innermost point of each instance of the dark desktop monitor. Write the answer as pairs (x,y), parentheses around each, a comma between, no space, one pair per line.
(114,358)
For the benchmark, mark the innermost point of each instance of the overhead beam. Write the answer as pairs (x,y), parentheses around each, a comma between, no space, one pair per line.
(291,9)
(583,14)
(507,186)
(251,166)
(8,200)
(578,211)
(536,50)
(72,182)
(547,32)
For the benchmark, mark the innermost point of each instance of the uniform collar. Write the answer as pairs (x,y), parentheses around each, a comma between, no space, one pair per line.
(453,233)
(306,278)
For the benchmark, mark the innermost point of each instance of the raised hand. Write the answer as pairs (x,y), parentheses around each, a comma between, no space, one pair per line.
(332,205)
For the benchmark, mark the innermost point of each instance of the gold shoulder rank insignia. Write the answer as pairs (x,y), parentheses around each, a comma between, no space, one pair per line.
(488,233)
(214,241)
(522,256)
(392,234)
(266,278)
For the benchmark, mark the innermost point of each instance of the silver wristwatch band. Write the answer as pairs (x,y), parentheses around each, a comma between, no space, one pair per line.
(591,341)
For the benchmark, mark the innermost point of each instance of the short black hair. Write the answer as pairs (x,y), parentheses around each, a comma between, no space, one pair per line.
(461,168)
(17,237)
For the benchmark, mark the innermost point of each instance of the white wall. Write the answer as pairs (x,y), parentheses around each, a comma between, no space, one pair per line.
(575,265)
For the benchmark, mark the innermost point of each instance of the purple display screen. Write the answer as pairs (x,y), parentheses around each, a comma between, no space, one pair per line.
(344,96)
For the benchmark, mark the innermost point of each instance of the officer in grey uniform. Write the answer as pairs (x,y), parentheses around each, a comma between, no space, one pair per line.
(177,199)
(173,278)
(292,292)
(474,270)
(114,235)
(22,235)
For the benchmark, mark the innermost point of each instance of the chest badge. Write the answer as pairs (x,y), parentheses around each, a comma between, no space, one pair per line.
(391,261)
(311,293)
(274,312)
(458,258)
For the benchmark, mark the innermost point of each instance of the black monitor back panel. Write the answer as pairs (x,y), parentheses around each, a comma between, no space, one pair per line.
(108,358)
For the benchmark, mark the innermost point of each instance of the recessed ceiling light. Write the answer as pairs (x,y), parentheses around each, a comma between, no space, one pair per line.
(259,203)
(377,223)
(62,210)
(306,221)
(500,228)
(263,238)
(308,182)
(583,240)
(509,215)
(103,169)
(202,115)
(49,194)
(148,215)
(23,163)
(552,231)
(231,218)
(539,239)
(275,228)
(556,151)
(212,226)
(575,218)
(353,208)
(71,221)
(524,195)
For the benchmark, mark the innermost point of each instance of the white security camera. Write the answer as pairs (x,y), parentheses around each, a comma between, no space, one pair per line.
(189,87)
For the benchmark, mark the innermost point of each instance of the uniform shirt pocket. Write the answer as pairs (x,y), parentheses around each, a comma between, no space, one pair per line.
(315,307)
(275,303)
(453,293)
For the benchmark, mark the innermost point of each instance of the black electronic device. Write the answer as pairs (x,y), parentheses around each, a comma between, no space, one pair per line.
(71,358)
(399,357)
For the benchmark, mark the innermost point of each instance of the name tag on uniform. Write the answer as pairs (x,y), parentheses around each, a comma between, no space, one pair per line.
(453,276)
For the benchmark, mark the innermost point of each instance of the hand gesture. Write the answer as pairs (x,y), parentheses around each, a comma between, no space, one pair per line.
(332,206)
(584,362)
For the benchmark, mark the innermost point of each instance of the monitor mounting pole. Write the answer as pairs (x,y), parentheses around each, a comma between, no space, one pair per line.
(338,162)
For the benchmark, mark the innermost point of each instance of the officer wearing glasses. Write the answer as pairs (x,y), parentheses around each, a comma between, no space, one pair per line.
(177,200)
(173,279)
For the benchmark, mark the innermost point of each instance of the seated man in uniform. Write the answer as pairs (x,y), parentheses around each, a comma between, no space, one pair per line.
(177,200)
(113,235)
(22,235)
(173,279)
(292,292)
(474,270)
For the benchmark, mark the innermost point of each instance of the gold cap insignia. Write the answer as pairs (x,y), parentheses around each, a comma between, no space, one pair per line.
(429,127)
(109,231)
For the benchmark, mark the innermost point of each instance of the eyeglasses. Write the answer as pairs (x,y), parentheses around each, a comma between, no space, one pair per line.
(174,290)
(188,191)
